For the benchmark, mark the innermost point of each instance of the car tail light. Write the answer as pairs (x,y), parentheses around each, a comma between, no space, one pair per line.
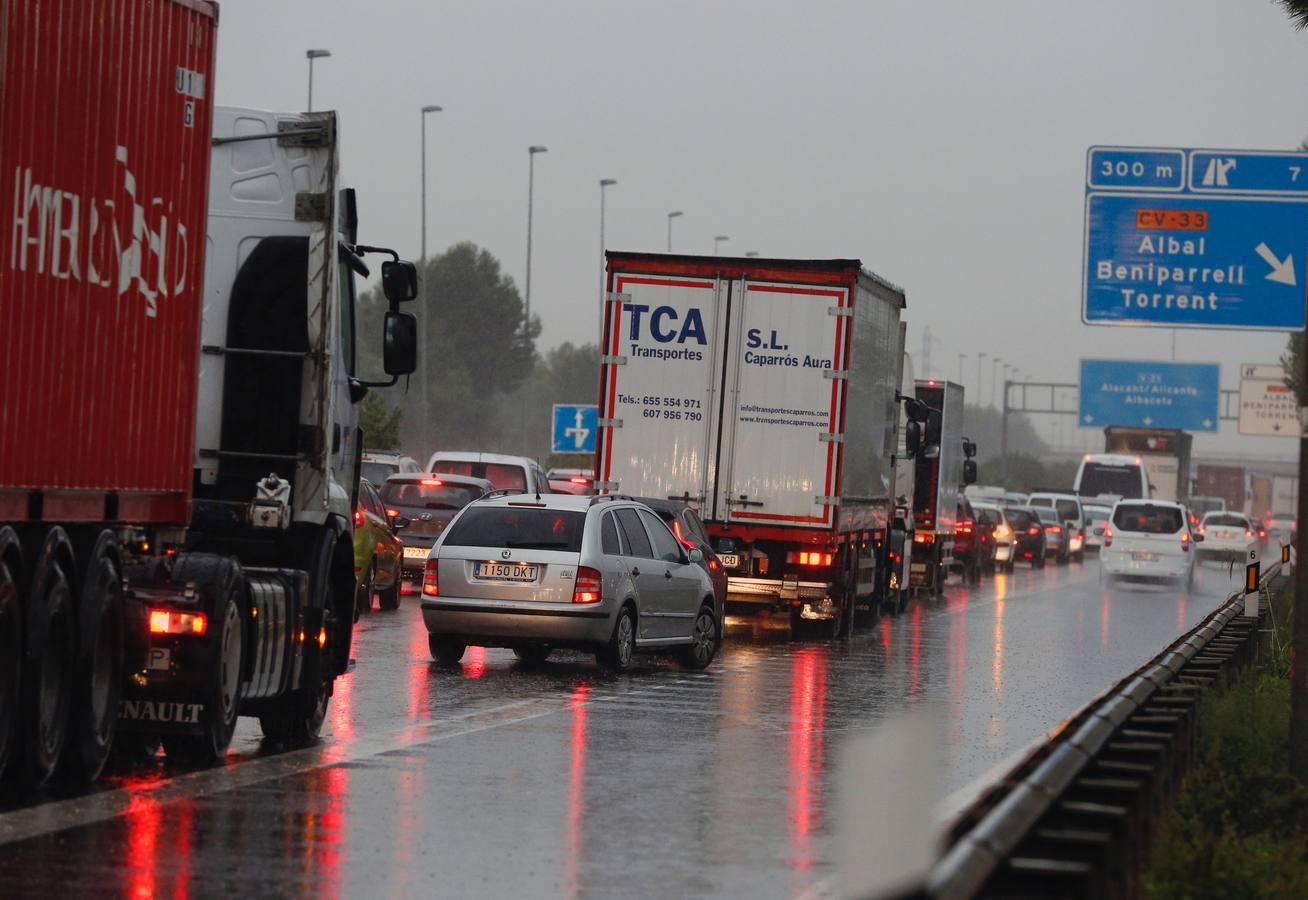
(1108,537)
(1081,534)
(391,513)
(714,565)
(431,585)
(921,538)
(431,482)
(964,527)
(1034,530)
(1185,542)
(1262,533)
(1203,530)
(1002,531)
(588,586)
(680,536)
(1248,532)
(358,518)
(1056,529)
(809,558)
(167,621)
(577,479)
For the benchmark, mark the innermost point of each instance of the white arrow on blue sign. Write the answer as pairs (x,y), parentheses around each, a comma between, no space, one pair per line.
(573,429)
(1149,394)
(1181,238)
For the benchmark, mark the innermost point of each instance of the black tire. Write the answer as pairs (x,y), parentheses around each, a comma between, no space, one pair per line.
(221,585)
(706,638)
(11,663)
(531,654)
(47,680)
(363,596)
(447,651)
(1010,566)
(98,683)
(619,651)
(389,599)
(1038,559)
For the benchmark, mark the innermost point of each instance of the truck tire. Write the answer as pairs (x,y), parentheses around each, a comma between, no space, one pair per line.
(221,584)
(47,680)
(11,661)
(98,682)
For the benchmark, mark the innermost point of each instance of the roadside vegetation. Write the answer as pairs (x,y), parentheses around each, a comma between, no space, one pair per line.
(1240,826)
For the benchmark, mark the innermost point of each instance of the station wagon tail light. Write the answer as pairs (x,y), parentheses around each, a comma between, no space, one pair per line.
(809,558)
(431,586)
(167,621)
(358,518)
(588,586)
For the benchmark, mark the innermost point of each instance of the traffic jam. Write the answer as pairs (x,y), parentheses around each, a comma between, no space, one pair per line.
(246,648)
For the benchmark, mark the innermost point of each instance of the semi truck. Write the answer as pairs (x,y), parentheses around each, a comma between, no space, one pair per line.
(179,445)
(762,392)
(1165,453)
(939,477)
(1225,481)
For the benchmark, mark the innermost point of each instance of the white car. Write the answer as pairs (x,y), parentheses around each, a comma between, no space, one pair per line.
(1148,540)
(1096,523)
(514,473)
(1227,536)
(992,515)
(1068,507)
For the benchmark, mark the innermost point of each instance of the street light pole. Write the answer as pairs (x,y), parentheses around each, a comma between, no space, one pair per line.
(995,363)
(531,183)
(980,358)
(671,216)
(962,357)
(604,184)
(718,239)
(311,55)
(426,109)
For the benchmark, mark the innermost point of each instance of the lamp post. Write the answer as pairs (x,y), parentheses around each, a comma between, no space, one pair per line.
(671,216)
(604,184)
(718,239)
(980,358)
(425,110)
(995,363)
(962,357)
(531,183)
(311,55)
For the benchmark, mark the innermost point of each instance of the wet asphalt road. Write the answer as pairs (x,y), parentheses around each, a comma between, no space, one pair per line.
(494,780)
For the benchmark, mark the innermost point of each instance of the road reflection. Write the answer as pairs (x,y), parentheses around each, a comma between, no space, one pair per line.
(576,790)
(808,700)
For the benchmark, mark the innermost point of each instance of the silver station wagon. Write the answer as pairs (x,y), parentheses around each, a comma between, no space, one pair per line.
(535,572)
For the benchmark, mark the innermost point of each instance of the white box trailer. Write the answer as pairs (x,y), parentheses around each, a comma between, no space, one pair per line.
(762,392)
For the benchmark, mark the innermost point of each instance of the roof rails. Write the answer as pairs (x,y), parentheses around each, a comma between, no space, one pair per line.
(502,492)
(601,497)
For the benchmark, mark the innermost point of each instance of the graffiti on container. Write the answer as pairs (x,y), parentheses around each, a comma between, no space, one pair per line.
(123,244)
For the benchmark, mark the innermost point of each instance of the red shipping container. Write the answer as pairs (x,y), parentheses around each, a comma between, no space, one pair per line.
(106,110)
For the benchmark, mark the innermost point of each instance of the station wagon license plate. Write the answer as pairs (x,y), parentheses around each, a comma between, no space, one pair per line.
(502,571)
(1144,556)
(730,560)
(415,552)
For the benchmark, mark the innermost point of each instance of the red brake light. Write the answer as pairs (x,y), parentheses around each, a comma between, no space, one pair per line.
(358,518)
(167,621)
(922,538)
(1185,542)
(1056,529)
(1108,537)
(809,558)
(577,479)
(392,513)
(1248,532)
(431,482)
(1034,530)
(681,538)
(431,579)
(588,586)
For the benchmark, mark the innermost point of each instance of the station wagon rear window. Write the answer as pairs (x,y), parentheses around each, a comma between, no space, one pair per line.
(512,527)
(1147,519)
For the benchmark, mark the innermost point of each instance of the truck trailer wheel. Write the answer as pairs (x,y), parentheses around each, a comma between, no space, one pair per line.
(11,661)
(47,679)
(219,580)
(98,683)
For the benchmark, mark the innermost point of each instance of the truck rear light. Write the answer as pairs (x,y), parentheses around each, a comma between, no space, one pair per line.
(588,586)
(430,579)
(809,558)
(167,621)
(964,527)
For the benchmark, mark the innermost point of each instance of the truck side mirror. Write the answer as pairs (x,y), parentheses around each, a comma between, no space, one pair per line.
(969,449)
(912,438)
(969,471)
(399,280)
(400,343)
(917,410)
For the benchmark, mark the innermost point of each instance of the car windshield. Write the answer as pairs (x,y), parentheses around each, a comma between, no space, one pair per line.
(1227,519)
(1020,518)
(1104,478)
(518,527)
(378,472)
(1145,518)
(430,494)
(1068,509)
(1095,516)
(1048,514)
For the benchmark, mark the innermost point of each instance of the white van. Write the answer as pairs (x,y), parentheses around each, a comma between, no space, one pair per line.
(1115,476)
(518,473)
(1068,507)
(1149,539)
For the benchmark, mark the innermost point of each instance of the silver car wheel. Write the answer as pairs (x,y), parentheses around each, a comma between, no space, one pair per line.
(625,642)
(704,636)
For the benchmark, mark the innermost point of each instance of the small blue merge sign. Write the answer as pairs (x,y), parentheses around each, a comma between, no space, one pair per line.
(573,429)
(1196,238)
(1149,394)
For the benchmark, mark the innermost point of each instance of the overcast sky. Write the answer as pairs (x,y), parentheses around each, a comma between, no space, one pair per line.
(943,144)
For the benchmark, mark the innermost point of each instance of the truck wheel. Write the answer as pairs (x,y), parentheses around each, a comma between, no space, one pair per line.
(11,663)
(220,583)
(99,681)
(389,599)
(47,681)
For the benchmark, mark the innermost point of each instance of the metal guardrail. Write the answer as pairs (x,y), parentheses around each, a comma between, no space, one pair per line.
(1075,818)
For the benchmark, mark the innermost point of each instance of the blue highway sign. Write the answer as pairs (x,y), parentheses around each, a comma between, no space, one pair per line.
(574,428)
(1181,238)
(1149,394)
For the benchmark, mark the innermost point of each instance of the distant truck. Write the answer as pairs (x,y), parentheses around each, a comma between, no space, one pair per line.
(1227,482)
(1165,453)
(180,460)
(762,392)
(1260,496)
(940,475)
(1285,495)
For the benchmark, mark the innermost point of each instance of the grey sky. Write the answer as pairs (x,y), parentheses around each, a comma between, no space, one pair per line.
(941,143)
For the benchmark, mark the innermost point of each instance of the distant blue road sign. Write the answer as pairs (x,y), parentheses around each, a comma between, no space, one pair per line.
(574,429)
(1149,394)
(1180,238)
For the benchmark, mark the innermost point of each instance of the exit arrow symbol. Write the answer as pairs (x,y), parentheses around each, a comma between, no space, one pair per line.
(1282,271)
